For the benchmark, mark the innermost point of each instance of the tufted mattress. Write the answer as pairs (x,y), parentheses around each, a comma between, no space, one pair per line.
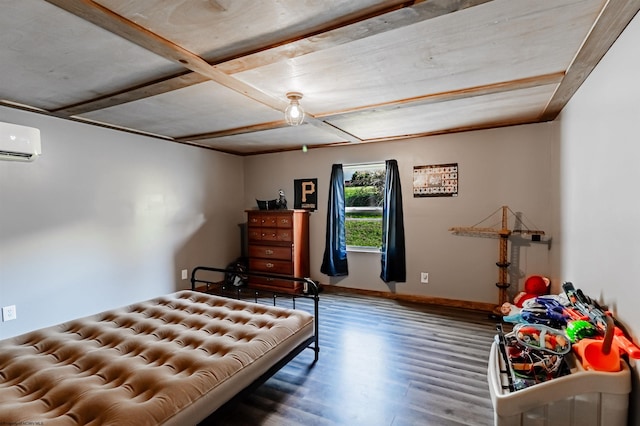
(170,360)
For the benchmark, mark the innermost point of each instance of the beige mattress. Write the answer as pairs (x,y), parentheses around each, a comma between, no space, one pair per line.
(170,360)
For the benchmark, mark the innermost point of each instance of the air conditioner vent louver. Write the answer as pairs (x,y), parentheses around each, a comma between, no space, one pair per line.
(15,154)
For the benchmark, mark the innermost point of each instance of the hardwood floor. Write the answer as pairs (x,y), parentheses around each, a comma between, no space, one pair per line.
(382,362)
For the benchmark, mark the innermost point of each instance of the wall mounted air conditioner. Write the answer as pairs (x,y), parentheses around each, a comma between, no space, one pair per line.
(20,143)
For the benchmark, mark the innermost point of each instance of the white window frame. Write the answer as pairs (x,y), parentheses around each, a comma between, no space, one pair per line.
(377,165)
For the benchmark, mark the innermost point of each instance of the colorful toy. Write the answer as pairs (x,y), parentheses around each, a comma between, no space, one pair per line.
(534,286)
(601,354)
(579,329)
(545,310)
(625,344)
(543,338)
(599,317)
(527,366)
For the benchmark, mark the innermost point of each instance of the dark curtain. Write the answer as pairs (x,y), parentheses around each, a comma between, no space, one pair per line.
(334,262)
(393,254)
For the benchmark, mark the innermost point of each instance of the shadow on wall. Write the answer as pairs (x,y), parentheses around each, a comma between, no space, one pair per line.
(205,247)
(216,189)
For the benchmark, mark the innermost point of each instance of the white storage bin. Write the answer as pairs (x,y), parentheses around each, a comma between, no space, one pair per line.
(582,398)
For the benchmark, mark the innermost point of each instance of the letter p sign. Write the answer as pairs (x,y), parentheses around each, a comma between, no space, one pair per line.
(306,195)
(308,188)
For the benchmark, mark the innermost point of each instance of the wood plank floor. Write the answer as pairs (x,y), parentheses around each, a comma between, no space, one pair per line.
(382,362)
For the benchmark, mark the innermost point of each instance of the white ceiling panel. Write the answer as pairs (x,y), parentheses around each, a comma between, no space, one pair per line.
(499,41)
(51,58)
(221,28)
(512,107)
(201,108)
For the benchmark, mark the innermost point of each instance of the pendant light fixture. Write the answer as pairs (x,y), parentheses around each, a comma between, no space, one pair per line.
(294,114)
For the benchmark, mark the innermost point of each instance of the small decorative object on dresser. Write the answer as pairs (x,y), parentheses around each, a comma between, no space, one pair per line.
(267,204)
(279,203)
(282,200)
(278,244)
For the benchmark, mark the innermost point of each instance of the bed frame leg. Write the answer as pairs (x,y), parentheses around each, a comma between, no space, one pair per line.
(310,284)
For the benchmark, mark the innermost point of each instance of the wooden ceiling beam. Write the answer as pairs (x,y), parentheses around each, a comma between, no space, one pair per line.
(131,31)
(361,25)
(116,24)
(233,132)
(452,95)
(134,93)
(616,15)
(339,34)
(489,89)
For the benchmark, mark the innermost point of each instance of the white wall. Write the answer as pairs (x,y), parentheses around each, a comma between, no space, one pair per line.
(512,166)
(106,218)
(600,172)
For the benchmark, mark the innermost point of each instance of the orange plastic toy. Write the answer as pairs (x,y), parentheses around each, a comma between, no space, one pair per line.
(600,355)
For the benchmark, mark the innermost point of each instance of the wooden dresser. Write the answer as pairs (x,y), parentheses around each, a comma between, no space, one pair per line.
(278,243)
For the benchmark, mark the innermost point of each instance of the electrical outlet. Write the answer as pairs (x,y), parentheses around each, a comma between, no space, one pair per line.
(184,274)
(424,277)
(9,313)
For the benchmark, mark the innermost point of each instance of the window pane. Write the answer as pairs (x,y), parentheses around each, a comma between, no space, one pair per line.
(364,188)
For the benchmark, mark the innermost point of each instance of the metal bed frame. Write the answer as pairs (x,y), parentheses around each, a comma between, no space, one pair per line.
(222,288)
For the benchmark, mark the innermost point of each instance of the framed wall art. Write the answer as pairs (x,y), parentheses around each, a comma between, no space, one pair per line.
(440,180)
(306,194)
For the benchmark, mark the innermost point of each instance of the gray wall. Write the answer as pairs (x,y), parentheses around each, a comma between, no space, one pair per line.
(512,166)
(600,240)
(106,218)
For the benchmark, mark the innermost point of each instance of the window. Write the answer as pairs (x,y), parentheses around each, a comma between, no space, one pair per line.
(363,193)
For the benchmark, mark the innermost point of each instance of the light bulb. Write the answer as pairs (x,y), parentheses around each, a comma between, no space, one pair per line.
(294,114)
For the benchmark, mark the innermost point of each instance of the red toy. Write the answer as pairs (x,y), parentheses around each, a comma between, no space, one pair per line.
(534,286)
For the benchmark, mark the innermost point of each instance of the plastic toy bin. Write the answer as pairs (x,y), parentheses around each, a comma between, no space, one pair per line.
(582,398)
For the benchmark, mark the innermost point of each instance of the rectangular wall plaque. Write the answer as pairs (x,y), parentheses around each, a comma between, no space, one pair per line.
(440,180)
(306,194)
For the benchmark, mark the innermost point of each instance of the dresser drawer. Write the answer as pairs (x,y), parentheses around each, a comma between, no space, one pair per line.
(270,252)
(270,234)
(254,234)
(285,235)
(270,220)
(254,220)
(284,221)
(271,266)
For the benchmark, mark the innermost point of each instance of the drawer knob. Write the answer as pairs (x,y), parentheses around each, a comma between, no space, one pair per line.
(269,265)
(268,252)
